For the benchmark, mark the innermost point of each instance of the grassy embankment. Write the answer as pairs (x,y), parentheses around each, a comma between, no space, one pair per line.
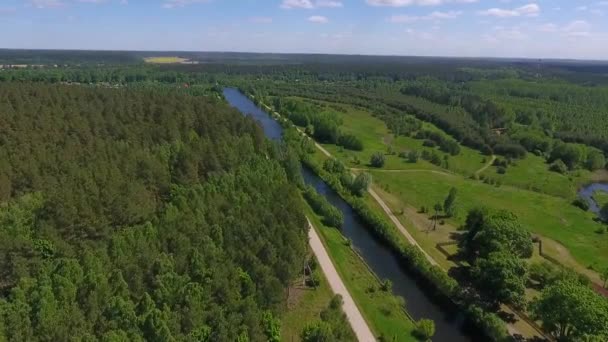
(382,310)
(569,233)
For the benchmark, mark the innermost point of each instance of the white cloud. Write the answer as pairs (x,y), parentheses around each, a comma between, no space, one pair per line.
(318,19)
(529,10)
(404,3)
(432,16)
(309,4)
(330,4)
(181,3)
(576,28)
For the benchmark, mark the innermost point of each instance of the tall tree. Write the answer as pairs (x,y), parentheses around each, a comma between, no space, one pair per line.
(571,311)
(502,277)
(489,232)
(449,204)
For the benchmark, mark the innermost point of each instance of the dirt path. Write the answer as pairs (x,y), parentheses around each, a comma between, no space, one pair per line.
(488,164)
(358,324)
(401,228)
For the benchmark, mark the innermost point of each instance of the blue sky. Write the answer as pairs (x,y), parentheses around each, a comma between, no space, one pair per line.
(495,28)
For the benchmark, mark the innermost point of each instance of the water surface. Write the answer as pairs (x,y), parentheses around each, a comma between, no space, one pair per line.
(587,194)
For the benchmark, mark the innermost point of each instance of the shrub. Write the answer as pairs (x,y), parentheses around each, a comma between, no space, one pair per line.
(501,170)
(425,329)
(489,323)
(413,156)
(429,143)
(377,160)
(386,286)
(361,184)
(351,142)
(331,215)
(333,165)
(558,166)
(512,150)
(581,203)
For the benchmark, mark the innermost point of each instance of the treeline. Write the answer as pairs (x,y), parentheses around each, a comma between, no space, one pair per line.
(140,215)
(389,105)
(484,112)
(324,126)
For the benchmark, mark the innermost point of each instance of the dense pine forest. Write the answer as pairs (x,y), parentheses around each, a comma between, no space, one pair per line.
(140,214)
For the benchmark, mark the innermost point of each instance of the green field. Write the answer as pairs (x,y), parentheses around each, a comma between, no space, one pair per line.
(531,173)
(382,310)
(165,60)
(549,216)
(377,138)
(542,199)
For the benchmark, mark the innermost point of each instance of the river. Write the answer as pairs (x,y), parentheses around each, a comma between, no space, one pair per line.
(449,324)
(587,194)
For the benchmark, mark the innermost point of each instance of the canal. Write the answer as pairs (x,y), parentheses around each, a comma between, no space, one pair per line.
(449,323)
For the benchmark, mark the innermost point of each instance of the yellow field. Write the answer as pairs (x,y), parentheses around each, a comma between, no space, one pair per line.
(165,60)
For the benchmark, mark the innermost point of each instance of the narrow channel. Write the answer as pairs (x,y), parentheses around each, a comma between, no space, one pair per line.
(449,325)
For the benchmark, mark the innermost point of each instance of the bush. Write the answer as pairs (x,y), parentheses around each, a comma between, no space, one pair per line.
(413,156)
(543,273)
(581,203)
(386,286)
(377,160)
(490,324)
(361,184)
(333,165)
(429,143)
(558,166)
(501,162)
(425,329)
(331,215)
(501,170)
(511,150)
(351,142)
(595,161)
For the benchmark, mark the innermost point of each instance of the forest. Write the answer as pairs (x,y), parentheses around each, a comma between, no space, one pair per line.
(130,214)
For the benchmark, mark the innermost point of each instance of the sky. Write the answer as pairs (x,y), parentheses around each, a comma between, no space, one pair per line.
(472,28)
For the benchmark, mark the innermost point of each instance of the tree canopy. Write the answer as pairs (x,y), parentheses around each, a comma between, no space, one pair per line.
(572,311)
(134,214)
(493,231)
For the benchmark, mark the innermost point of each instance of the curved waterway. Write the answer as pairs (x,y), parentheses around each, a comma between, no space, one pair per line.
(449,323)
(587,194)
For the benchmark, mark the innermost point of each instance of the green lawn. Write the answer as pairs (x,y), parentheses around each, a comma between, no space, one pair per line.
(532,173)
(382,310)
(549,216)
